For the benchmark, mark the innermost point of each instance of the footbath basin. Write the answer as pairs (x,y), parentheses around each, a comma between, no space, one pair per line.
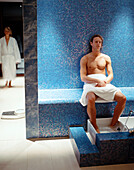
(104,127)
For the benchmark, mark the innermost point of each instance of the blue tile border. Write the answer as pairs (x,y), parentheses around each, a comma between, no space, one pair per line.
(110,148)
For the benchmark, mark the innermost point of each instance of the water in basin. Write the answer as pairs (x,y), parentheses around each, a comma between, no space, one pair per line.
(104,127)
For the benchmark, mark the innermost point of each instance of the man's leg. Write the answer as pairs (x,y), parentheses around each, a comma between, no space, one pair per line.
(121,101)
(91,110)
(10,83)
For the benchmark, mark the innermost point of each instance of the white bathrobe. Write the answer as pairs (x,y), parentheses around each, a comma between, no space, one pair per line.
(9,56)
(106,93)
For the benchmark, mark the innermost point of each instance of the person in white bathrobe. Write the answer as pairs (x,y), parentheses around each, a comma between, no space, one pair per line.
(93,68)
(9,56)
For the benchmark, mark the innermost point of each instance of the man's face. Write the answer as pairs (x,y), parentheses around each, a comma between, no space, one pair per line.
(7,32)
(96,44)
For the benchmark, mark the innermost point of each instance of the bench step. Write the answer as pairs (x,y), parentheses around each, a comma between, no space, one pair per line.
(110,148)
(54,96)
(60,108)
(86,153)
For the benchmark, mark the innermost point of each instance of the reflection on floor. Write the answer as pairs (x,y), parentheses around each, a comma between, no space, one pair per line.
(18,153)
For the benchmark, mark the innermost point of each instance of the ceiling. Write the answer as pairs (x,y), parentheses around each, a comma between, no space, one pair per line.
(11,0)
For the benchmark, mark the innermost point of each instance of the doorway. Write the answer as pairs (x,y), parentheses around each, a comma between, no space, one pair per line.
(11,15)
(13,99)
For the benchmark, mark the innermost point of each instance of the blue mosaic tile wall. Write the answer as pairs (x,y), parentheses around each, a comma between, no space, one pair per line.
(55,119)
(63,32)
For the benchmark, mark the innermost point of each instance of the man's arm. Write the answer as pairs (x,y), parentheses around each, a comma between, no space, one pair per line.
(109,70)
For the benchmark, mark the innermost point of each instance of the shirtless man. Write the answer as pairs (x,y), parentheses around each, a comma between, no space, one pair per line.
(94,63)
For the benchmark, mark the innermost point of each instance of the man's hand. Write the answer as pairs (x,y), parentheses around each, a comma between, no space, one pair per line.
(101,84)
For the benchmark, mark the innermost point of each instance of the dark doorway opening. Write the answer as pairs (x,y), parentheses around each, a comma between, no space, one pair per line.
(11,15)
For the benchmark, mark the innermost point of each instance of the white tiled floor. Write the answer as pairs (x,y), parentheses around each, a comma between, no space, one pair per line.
(18,153)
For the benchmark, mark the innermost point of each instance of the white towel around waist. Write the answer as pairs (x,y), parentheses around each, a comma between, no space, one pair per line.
(107,93)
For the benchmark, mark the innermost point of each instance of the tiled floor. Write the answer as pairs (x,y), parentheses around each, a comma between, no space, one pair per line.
(18,153)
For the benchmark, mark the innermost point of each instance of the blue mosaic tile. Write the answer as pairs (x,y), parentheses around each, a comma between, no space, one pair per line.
(64,30)
(82,141)
(47,96)
(59,96)
(63,40)
(60,115)
(114,147)
(110,148)
(62,106)
(112,136)
(86,153)
(131,149)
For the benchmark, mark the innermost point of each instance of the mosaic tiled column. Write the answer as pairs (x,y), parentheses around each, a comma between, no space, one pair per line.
(30,57)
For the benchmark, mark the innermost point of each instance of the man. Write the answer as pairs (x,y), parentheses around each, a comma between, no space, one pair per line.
(96,84)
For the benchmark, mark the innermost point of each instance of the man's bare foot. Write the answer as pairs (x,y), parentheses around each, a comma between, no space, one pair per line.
(95,126)
(97,130)
(113,124)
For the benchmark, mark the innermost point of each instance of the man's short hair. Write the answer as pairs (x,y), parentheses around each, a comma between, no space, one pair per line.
(92,38)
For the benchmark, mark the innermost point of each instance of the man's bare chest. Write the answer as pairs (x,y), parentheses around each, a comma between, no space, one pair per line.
(99,63)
